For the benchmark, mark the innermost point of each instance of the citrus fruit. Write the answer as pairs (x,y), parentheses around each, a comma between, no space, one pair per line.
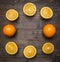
(11,48)
(46,12)
(11,14)
(29,9)
(49,30)
(48,48)
(29,51)
(9,30)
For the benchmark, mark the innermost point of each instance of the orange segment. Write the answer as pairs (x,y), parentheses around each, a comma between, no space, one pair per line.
(29,51)
(48,48)
(29,9)
(9,30)
(49,30)
(11,14)
(11,48)
(46,12)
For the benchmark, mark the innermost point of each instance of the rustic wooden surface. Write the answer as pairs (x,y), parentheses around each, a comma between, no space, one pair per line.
(29,31)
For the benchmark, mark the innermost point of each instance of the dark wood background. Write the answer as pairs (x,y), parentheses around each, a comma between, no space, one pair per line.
(29,31)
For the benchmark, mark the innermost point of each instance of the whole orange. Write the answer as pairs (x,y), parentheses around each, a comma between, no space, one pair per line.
(9,30)
(49,30)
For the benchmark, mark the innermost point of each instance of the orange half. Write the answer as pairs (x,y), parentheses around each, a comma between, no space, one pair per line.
(29,9)
(46,12)
(30,51)
(48,48)
(11,48)
(12,14)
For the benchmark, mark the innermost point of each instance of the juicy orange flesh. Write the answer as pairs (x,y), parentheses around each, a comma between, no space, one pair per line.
(30,51)
(29,9)
(11,48)
(12,14)
(46,12)
(48,48)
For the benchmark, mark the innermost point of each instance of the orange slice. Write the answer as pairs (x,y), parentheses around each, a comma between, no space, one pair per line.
(11,48)
(12,14)
(46,12)
(30,51)
(48,48)
(29,9)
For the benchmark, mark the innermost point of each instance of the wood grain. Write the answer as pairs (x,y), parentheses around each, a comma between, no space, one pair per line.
(29,30)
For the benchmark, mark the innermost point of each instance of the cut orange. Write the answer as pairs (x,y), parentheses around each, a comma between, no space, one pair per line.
(46,12)
(29,9)
(49,30)
(9,30)
(48,48)
(11,48)
(30,51)
(12,14)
